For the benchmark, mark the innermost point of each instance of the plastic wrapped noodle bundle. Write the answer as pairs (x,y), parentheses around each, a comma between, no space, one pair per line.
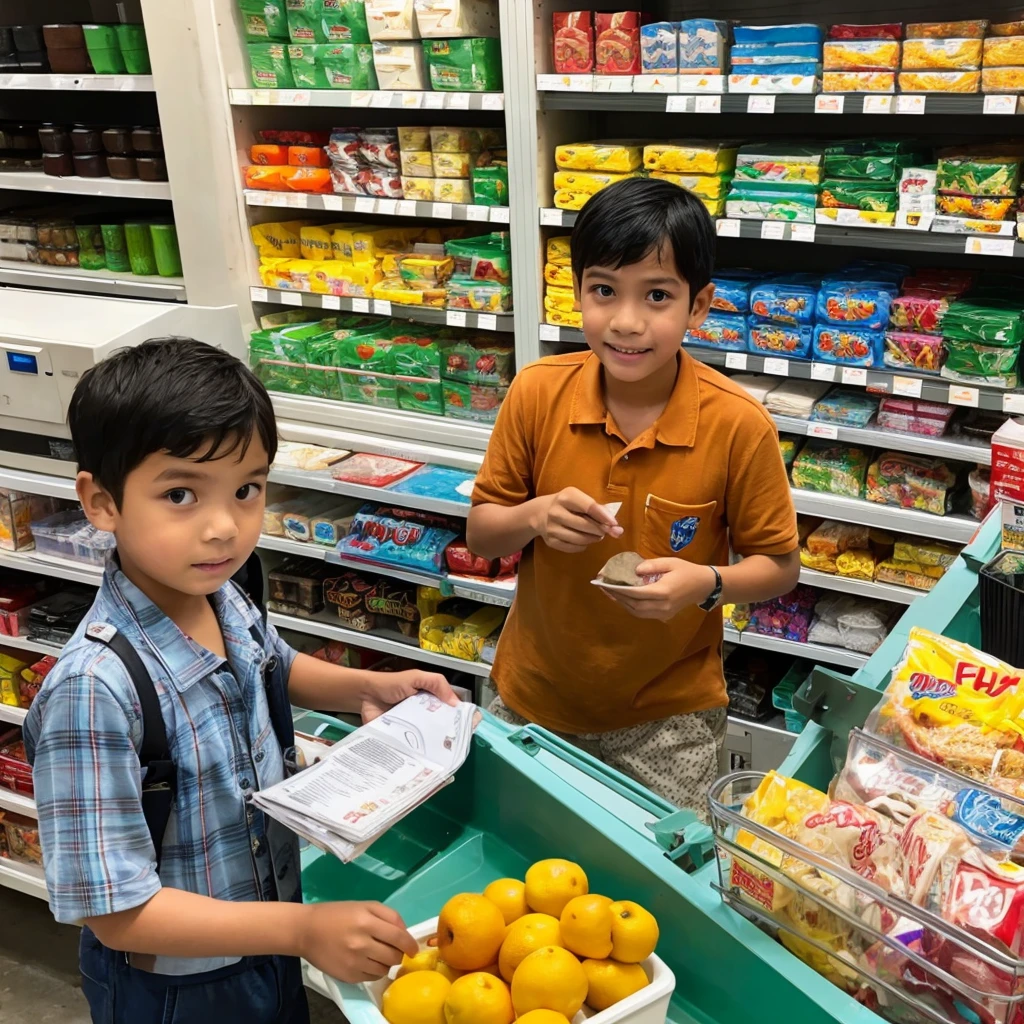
(830,468)
(910,481)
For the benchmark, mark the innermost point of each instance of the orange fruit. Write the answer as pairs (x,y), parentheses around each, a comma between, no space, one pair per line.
(470,931)
(542,1017)
(608,982)
(447,971)
(479,999)
(586,926)
(550,979)
(550,884)
(416,998)
(524,937)
(424,960)
(634,932)
(509,896)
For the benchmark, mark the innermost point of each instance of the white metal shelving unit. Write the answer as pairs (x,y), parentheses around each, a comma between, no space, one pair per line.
(103,188)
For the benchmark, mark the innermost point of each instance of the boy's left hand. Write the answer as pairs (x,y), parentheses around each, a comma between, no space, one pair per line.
(682,585)
(387,689)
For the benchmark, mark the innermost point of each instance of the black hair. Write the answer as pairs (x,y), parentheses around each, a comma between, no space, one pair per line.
(174,395)
(627,221)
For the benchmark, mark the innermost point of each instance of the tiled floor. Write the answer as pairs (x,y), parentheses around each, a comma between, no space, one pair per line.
(39,968)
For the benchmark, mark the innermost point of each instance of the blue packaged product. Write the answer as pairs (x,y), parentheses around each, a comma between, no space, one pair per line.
(801,33)
(850,346)
(725,331)
(803,69)
(773,338)
(860,303)
(787,300)
(702,45)
(442,482)
(773,53)
(847,407)
(732,290)
(659,47)
(396,537)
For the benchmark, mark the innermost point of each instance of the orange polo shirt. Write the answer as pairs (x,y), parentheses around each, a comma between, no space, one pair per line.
(707,473)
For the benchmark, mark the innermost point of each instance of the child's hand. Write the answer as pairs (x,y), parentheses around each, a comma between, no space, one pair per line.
(682,585)
(386,689)
(355,942)
(571,521)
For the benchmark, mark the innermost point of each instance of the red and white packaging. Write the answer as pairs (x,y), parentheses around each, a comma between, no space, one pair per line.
(1008,462)
(573,42)
(617,43)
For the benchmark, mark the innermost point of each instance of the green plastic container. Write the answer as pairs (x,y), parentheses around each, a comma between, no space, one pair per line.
(165,249)
(91,255)
(116,247)
(136,62)
(140,248)
(131,37)
(104,50)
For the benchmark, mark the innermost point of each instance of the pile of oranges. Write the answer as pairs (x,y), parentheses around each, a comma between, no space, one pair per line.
(532,952)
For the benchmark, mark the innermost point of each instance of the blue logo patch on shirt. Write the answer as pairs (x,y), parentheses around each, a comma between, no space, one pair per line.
(682,532)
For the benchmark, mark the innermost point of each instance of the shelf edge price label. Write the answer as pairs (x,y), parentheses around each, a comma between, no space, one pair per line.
(381,99)
(727,228)
(1000,105)
(548,332)
(829,103)
(360,305)
(259,295)
(855,376)
(364,204)
(877,105)
(499,214)
(474,212)
(455,318)
(387,206)
(906,387)
(761,104)
(707,105)
(443,211)
(487,321)
(331,302)
(736,360)
(802,232)
(979,246)
(458,101)
(910,104)
(382,306)
(406,208)
(773,229)
(290,298)
(829,431)
(776,367)
(492,101)
(1013,404)
(551,217)
(412,100)
(823,371)
(299,98)
(963,396)
(678,104)
(333,202)
(433,100)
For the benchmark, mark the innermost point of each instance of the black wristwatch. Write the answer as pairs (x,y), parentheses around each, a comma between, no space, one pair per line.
(711,601)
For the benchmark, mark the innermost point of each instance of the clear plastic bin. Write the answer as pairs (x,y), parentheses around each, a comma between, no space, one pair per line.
(71,535)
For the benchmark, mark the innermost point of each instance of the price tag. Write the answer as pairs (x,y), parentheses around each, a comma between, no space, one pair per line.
(492,101)
(826,430)
(548,332)
(1013,403)
(333,202)
(877,105)
(476,212)
(823,371)
(801,232)
(259,295)
(499,214)
(775,229)
(736,360)
(455,318)
(707,105)
(487,321)
(412,100)
(855,376)
(365,204)
(458,101)
(260,98)
(551,218)
(387,206)
(978,246)
(259,198)
(360,305)
(331,302)
(294,201)
(760,104)
(963,396)
(433,100)
(552,83)
(910,104)
(907,387)
(382,306)
(290,298)
(728,228)
(829,103)
(678,104)
(1000,105)
(357,98)
(406,207)
(777,367)
(299,98)
(443,211)
(381,99)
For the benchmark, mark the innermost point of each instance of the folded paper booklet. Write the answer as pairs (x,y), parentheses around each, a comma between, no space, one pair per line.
(375,776)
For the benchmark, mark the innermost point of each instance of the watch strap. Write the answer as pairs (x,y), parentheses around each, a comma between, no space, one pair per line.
(711,601)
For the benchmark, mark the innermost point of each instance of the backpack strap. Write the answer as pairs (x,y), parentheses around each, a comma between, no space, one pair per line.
(160,782)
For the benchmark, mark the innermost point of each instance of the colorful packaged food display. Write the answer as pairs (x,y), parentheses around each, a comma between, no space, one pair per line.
(858,195)
(905,350)
(892,30)
(398,537)
(850,302)
(848,407)
(690,157)
(977,174)
(617,157)
(573,42)
(373,470)
(910,481)
(975,29)
(939,81)
(861,55)
(983,207)
(1002,79)
(851,346)
(768,204)
(942,54)
(707,186)
(914,416)
(659,48)
(617,43)
(732,290)
(774,337)
(702,44)
(463,65)
(726,331)
(779,165)
(830,468)
(859,81)
(787,298)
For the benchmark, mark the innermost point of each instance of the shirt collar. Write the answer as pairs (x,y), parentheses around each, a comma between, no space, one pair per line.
(677,425)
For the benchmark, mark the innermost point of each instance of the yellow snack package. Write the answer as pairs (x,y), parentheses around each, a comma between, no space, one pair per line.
(465,639)
(315,241)
(369,243)
(563,299)
(707,186)
(558,251)
(278,238)
(419,188)
(819,561)
(690,157)
(620,157)
(858,565)
(558,277)
(560,318)
(571,199)
(590,182)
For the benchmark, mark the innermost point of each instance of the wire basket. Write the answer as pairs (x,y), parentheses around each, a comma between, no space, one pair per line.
(1001,591)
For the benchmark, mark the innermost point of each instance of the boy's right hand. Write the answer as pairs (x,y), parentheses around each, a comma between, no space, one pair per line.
(355,942)
(571,521)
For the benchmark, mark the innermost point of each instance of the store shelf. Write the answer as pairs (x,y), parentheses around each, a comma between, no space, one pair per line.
(860,588)
(882,382)
(27,878)
(389,644)
(36,181)
(955,529)
(77,83)
(24,643)
(382,207)
(382,100)
(38,483)
(417,314)
(419,579)
(821,654)
(13,715)
(59,568)
(18,803)
(92,282)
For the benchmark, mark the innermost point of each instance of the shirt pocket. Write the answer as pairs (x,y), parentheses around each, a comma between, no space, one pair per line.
(671,530)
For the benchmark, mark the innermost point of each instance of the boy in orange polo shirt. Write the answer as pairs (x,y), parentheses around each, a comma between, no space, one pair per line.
(633,677)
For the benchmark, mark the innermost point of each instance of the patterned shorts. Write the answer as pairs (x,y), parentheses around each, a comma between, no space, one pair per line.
(677,758)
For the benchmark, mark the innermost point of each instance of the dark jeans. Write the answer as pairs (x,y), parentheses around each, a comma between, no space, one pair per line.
(256,990)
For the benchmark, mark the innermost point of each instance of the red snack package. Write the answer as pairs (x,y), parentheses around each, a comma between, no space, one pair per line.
(988,904)
(893,31)
(463,562)
(574,42)
(293,137)
(372,470)
(268,154)
(617,46)
(509,564)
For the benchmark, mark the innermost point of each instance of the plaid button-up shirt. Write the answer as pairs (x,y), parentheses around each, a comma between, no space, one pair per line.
(83,734)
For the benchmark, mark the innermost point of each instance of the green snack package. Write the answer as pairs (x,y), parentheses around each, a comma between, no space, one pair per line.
(344,21)
(348,65)
(490,185)
(479,360)
(979,175)
(278,369)
(304,21)
(477,402)
(424,396)
(992,322)
(263,20)
(306,70)
(975,362)
(879,160)
(859,195)
(269,66)
(486,258)
(368,354)
(463,65)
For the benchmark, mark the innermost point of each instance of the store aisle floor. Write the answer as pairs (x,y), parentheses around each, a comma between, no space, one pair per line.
(39,968)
